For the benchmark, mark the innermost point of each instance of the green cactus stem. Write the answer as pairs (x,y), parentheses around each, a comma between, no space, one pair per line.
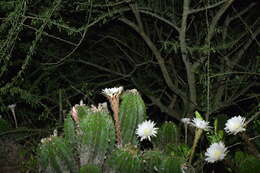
(56,156)
(90,169)
(132,112)
(126,160)
(97,136)
(152,160)
(171,165)
(168,134)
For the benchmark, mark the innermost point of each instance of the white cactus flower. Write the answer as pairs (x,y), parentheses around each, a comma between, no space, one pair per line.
(110,92)
(235,125)
(201,124)
(12,106)
(216,152)
(186,120)
(146,130)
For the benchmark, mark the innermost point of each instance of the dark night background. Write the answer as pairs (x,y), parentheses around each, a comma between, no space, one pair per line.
(55,53)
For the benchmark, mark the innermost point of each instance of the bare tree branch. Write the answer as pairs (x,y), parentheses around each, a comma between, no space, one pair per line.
(173,113)
(207,7)
(161,19)
(230,19)
(157,54)
(188,66)
(211,30)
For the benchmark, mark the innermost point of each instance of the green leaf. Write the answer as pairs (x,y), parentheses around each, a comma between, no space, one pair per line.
(181,151)
(198,115)
(216,137)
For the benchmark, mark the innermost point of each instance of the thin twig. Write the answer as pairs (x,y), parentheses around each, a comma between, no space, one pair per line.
(252,118)
(238,143)
(207,7)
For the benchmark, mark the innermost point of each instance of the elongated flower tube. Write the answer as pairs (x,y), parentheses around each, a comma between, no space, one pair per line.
(146,130)
(113,96)
(201,125)
(216,152)
(235,125)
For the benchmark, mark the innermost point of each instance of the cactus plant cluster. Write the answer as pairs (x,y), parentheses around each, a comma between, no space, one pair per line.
(91,144)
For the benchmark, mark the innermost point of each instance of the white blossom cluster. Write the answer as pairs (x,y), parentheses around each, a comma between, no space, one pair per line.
(217,151)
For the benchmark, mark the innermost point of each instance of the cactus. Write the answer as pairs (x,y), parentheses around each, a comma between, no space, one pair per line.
(152,160)
(90,169)
(88,143)
(167,135)
(57,156)
(126,160)
(69,132)
(97,136)
(132,112)
(170,165)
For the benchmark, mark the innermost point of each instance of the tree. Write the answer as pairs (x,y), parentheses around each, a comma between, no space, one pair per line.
(182,55)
